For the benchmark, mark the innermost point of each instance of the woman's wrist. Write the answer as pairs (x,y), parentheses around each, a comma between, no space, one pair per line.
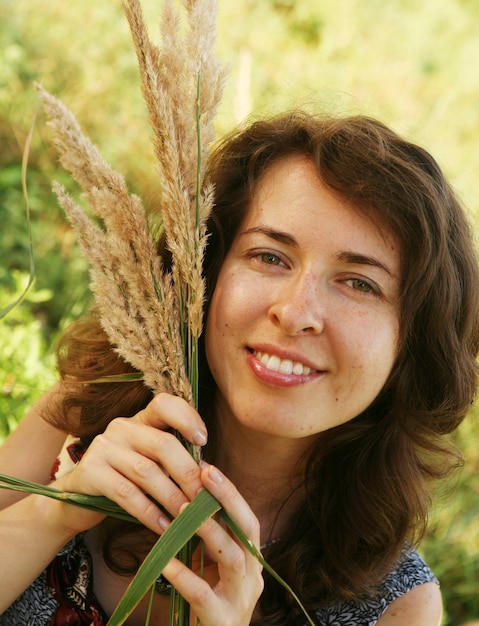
(60,519)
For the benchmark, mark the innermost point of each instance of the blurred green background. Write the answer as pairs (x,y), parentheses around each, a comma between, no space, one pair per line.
(412,64)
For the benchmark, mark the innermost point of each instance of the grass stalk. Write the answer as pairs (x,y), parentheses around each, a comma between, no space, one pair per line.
(150,606)
(99,504)
(31,276)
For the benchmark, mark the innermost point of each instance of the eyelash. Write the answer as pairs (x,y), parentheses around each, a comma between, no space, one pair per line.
(274,259)
(370,288)
(267,258)
(269,255)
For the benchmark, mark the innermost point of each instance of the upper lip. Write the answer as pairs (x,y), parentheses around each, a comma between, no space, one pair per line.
(286,354)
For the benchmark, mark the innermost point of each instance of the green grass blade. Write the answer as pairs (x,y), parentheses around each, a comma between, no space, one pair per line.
(180,531)
(99,504)
(150,605)
(130,377)
(31,277)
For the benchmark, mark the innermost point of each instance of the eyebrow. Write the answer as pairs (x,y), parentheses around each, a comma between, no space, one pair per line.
(277,235)
(361,259)
(354,258)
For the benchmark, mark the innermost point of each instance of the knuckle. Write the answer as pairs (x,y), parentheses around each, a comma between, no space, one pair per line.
(236,560)
(149,511)
(160,398)
(161,439)
(174,500)
(258,587)
(161,402)
(114,428)
(201,595)
(101,442)
(144,468)
(125,489)
(254,528)
(191,472)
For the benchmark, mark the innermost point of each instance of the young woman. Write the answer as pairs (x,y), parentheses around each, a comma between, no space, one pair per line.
(340,346)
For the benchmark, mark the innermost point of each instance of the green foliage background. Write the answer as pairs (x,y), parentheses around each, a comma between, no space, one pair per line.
(411,64)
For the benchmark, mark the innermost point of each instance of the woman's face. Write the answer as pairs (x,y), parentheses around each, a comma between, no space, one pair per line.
(303,325)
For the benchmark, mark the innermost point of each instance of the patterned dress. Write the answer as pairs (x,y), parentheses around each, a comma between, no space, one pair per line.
(62,595)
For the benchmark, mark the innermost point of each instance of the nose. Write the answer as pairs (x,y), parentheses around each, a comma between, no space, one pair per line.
(298,307)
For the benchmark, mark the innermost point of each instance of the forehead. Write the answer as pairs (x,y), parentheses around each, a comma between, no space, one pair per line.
(292,186)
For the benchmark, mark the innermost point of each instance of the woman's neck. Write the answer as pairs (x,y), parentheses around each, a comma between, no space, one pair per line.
(268,472)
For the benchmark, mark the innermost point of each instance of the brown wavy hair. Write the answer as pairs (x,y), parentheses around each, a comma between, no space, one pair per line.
(367,481)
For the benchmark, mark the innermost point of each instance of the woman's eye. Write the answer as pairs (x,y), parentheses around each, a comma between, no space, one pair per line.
(269,258)
(361,285)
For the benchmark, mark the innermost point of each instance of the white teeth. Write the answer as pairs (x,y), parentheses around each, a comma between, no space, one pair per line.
(298,369)
(306,369)
(284,366)
(264,358)
(273,363)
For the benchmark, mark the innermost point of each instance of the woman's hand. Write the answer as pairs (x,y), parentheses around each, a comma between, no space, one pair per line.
(137,463)
(137,457)
(227,593)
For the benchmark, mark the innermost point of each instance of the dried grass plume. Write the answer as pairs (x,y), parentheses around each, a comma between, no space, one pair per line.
(152,316)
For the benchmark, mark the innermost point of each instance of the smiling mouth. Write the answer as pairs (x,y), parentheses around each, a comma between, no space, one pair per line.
(283,366)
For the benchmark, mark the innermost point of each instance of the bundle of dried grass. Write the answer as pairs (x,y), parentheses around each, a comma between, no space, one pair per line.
(152,316)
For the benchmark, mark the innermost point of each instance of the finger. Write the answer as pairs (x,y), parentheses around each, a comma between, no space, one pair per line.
(157,453)
(133,499)
(231,500)
(225,601)
(195,589)
(100,476)
(168,411)
(232,558)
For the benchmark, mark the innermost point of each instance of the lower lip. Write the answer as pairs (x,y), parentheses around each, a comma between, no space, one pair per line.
(277,379)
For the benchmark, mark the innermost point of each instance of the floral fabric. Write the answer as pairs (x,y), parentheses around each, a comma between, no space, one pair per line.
(70,579)
(61,596)
(410,572)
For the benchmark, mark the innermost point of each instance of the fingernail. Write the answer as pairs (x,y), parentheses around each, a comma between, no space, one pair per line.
(164,522)
(183,507)
(215,474)
(200,438)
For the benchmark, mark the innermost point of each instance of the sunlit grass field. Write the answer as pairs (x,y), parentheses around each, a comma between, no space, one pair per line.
(410,64)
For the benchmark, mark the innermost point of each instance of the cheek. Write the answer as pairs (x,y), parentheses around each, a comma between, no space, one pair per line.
(233,315)
(372,351)
(218,313)
(233,300)
(218,325)
(383,350)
